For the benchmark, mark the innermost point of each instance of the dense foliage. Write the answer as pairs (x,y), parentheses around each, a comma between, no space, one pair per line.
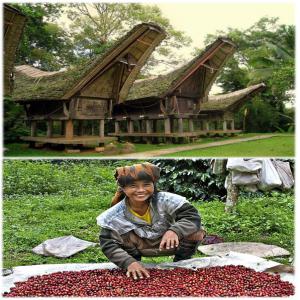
(58,35)
(14,124)
(95,26)
(59,177)
(266,53)
(191,178)
(44,43)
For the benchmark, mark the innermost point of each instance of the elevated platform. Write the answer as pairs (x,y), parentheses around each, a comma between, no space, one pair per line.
(75,140)
(174,134)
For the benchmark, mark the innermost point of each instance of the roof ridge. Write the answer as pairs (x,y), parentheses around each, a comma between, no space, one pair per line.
(34,72)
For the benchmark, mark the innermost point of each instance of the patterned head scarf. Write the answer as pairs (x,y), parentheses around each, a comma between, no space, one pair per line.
(128,174)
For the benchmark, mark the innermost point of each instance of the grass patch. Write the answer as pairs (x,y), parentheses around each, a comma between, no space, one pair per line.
(282,146)
(22,149)
(30,220)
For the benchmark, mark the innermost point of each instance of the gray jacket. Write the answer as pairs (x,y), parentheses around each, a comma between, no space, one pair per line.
(168,211)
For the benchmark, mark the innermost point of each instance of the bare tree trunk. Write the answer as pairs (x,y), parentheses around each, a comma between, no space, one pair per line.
(232,195)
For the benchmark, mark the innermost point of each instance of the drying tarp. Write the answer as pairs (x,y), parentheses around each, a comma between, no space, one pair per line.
(62,247)
(22,273)
(257,249)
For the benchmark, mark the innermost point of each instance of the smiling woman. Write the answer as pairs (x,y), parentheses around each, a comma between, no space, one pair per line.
(146,222)
(140,190)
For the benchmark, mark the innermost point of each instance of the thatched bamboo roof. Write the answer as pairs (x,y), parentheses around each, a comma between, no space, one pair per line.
(14,22)
(142,39)
(231,100)
(212,59)
(33,72)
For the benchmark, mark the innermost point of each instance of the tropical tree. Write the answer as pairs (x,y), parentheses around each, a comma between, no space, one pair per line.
(266,53)
(44,43)
(96,25)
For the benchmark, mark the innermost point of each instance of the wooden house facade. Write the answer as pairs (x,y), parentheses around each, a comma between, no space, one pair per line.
(175,105)
(168,104)
(14,22)
(217,114)
(87,92)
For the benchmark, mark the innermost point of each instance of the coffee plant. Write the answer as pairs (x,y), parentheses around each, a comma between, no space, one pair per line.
(191,178)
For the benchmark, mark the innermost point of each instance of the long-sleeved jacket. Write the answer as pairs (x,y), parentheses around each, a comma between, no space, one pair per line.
(168,211)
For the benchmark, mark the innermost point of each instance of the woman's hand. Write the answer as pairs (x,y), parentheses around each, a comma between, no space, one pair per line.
(137,271)
(169,240)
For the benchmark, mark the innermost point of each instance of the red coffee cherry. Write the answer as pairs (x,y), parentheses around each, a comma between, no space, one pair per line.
(226,281)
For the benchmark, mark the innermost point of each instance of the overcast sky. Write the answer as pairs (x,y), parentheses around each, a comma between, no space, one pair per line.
(200,19)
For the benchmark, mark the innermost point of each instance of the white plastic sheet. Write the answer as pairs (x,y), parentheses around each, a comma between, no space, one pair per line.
(62,247)
(269,178)
(257,249)
(241,165)
(242,178)
(285,174)
(263,173)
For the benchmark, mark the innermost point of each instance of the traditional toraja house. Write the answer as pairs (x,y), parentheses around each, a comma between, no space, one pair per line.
(14,22)
(177,104)
(86,92)
(159,107)
(218,112)
(174,105)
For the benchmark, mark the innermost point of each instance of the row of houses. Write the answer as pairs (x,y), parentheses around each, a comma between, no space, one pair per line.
(106,93)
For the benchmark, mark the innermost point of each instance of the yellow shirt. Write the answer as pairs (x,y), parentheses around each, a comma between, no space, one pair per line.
(145,217)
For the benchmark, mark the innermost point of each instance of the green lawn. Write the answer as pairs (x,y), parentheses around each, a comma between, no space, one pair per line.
(22,150)
(282,146)
(29,220)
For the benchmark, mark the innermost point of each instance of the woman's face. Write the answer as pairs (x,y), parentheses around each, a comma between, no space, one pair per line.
(139,190)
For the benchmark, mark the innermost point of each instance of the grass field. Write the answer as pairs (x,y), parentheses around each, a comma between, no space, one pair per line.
(22,150)
(283,146)
(41,202)
(28,221)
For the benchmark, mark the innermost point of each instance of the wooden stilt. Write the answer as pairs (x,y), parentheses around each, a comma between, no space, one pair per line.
(180,125)
(206,124)
(69,128)
(49,128)
(33,128)
(232,124)
(130,126)
(101,128)
(148,130)
(117,127)
(191,125)
(167,126)
(148,126)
